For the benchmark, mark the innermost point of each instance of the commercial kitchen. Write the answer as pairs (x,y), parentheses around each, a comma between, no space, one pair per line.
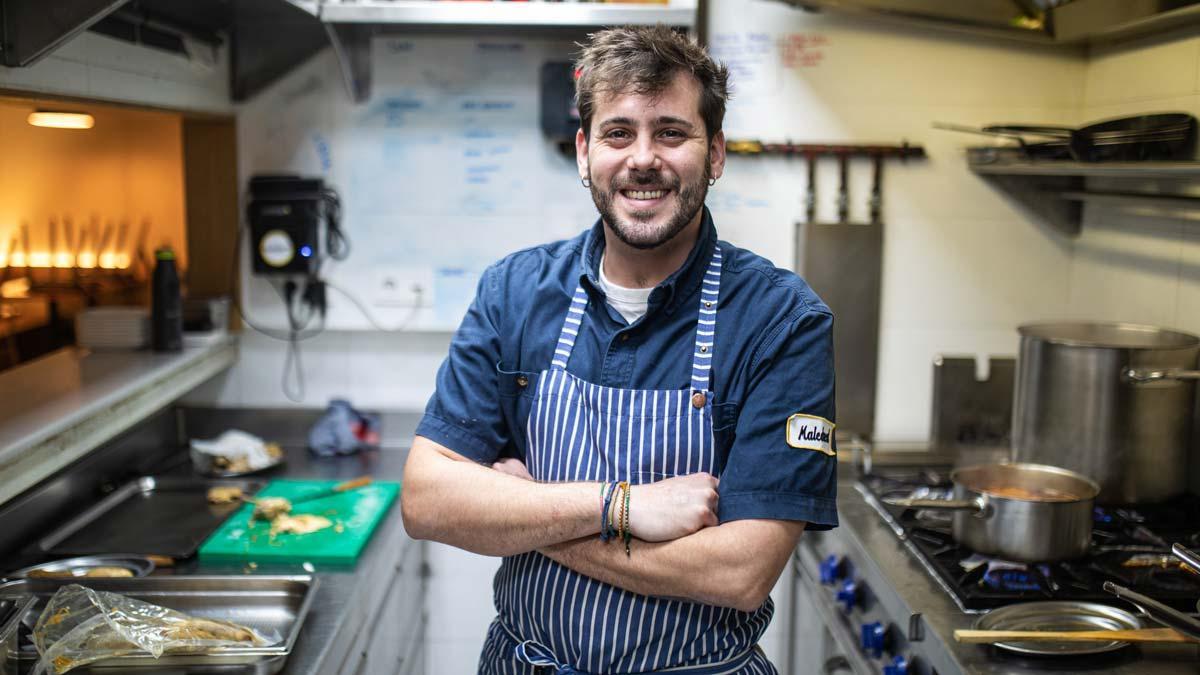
(237,238)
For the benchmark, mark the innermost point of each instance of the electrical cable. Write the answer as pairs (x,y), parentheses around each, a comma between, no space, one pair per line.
(403,325)
(291,358)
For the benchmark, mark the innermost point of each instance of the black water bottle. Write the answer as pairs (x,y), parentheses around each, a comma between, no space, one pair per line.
(166,314)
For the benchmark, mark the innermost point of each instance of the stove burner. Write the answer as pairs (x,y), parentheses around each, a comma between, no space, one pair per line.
(1128,548)
(1011,580)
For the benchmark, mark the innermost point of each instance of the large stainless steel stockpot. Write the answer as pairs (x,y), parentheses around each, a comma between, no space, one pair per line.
(1111,401)
(1021,512)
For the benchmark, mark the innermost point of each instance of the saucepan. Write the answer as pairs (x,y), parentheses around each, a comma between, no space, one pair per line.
(1019,512)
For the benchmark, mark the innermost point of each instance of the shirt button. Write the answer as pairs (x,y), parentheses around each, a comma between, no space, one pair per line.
(522,381)
(703,349)
(708,304)
(697,400)
(624,337)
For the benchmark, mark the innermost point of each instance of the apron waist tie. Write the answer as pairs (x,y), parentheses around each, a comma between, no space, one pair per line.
(536,654)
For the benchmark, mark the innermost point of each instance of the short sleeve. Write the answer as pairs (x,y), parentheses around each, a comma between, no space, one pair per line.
(772,473)
(464,412)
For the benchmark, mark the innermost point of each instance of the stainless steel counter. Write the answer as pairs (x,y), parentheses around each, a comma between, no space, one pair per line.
(349,601)
(901,587)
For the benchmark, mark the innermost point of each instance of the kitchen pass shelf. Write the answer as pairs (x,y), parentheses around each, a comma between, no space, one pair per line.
(1055,191)
(522,14)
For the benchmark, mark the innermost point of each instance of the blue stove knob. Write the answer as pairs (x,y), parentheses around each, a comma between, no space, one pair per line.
(874,636)
(832,569)
(848,594)
(898,666)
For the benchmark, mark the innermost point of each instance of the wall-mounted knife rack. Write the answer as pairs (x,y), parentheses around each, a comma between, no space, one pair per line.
(811,152)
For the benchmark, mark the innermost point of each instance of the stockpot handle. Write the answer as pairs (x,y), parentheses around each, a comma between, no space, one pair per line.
(1154,375)
(978,505)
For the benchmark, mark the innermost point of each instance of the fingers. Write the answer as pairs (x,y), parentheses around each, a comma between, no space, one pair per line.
(513,467)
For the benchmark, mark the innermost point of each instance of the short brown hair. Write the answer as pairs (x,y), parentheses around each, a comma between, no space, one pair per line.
(644,60)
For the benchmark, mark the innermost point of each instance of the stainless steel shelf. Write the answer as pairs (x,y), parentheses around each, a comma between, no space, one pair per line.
(511,14)
(1128,198)
(1090,169)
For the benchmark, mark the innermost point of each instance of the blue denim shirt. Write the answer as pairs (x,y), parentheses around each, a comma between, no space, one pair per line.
(772,359)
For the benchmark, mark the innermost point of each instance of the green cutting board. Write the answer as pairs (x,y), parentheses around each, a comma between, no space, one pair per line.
(358,511)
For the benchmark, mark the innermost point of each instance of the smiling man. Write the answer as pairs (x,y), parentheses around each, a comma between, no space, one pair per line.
(639,419)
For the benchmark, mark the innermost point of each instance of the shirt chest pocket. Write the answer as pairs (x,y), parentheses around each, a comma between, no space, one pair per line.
(517,390)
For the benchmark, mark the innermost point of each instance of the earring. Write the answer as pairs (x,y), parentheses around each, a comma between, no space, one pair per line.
(586,182)
(712,182)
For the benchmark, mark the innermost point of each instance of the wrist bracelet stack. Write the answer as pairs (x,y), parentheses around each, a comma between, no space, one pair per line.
(614,513)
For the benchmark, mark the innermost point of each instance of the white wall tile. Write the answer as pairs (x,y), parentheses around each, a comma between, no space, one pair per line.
(1126,268)
(1146,69)
(1187,308)
(904,400)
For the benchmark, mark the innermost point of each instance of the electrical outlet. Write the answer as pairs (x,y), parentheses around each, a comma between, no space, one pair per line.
(402,287)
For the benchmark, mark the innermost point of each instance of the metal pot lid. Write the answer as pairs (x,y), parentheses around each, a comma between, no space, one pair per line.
(85,566)
(1109,335)
(1059,615)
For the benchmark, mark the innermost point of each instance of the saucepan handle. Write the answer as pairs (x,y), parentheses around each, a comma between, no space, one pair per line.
(976,505)
(1156,374)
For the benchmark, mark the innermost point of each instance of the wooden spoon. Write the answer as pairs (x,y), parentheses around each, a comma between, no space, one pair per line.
(1136,635)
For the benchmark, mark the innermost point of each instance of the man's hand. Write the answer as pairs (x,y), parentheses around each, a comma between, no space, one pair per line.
(673,508)
(660,511)
(513,467)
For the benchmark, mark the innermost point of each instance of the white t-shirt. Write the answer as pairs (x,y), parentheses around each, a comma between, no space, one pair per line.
(630,303)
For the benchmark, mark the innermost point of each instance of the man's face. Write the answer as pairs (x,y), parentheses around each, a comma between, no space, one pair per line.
(649,160)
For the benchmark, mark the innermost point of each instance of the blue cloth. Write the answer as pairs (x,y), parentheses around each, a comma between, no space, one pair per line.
(774,337)
(342,430)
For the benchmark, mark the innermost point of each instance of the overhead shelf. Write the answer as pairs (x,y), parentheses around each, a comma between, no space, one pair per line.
(1054,191)
(509,14)
(1091,169)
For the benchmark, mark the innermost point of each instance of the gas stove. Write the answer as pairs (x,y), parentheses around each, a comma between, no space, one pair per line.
(1130,547)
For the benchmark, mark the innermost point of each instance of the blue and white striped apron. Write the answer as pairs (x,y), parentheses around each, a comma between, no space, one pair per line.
(551,616)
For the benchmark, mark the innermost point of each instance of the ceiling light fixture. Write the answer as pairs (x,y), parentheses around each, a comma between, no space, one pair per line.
(61,120)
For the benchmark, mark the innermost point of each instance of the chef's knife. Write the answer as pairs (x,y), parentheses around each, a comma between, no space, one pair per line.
(361,481)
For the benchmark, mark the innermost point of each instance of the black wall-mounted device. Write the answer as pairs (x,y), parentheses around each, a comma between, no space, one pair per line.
(559,116)
(286,215)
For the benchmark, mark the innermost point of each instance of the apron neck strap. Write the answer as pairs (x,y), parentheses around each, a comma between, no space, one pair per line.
(570,330)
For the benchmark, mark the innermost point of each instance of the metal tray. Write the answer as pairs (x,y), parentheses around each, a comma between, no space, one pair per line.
(202,464)
(1059,615)
(11,611)
(160,516)
(78,568)
(269,604)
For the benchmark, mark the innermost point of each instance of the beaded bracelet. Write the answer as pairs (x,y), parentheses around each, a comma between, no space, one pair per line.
(606,491)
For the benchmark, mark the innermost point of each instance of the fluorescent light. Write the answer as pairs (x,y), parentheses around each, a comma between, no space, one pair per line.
(60,120)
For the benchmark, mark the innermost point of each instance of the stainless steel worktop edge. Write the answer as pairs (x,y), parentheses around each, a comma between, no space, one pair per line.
(115,391)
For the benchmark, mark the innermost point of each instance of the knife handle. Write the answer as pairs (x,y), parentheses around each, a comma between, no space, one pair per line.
(351,484)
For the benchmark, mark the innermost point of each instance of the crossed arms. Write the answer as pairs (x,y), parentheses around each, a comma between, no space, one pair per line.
(679,549)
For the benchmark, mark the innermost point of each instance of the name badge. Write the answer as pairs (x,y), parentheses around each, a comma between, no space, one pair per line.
(809,432)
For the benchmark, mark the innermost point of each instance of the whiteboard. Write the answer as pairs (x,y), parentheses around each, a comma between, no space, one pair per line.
(441,172)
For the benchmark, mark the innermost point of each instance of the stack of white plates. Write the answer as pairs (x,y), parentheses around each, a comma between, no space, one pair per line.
(113,328)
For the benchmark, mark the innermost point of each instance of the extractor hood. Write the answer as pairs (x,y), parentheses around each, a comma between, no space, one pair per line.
(1053,22)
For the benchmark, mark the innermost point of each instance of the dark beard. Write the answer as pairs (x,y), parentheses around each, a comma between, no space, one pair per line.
(690,199)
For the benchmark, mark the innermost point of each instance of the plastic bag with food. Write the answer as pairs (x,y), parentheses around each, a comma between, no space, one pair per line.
(81,625)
